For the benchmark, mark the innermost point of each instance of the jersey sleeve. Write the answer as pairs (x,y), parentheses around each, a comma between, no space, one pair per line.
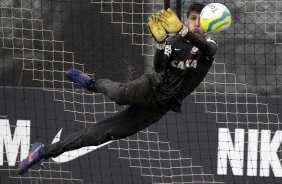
(162,56)
(160,60)
(207,45)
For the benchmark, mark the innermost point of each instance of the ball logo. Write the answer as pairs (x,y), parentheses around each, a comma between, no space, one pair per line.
(212,7)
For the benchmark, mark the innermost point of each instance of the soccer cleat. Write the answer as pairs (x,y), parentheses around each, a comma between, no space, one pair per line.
(32,158)
(80,77)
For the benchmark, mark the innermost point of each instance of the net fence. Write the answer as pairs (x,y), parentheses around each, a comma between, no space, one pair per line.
(42,39)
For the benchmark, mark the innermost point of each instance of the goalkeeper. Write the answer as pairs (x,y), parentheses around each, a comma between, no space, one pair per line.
(183,61)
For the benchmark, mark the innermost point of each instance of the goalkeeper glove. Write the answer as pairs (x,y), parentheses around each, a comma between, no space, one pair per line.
(156,29)
(171,22)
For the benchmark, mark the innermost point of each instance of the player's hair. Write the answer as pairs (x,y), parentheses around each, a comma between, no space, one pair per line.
(195,7)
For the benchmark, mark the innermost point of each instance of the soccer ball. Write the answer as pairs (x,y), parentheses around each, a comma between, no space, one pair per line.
(215,18)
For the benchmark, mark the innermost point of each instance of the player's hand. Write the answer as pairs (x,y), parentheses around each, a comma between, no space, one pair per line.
(170,21)
(156,29)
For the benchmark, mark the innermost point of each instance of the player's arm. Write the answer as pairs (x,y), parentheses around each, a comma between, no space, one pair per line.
(208,46)
(157,31)
(159,34)
(160,60)
(163,56)
(159,64)
(172,24)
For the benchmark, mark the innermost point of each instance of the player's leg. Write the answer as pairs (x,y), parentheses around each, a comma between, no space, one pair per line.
(133,92)
(120,125)
(136,91)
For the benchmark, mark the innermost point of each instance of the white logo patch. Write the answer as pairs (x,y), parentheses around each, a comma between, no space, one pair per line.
(183,65)
(168,50)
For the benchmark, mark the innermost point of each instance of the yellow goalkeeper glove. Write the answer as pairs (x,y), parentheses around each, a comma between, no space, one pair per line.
(156,29)
(170,21)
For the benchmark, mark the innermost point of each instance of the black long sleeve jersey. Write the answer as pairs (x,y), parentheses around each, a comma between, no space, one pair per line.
(183,67)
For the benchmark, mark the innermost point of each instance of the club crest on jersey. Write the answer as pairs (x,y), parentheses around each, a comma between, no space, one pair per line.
(194,51)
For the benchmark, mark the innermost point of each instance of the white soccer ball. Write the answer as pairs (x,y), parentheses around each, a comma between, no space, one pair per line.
(215,18)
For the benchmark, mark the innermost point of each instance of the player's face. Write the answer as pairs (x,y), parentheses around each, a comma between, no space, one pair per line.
(193,23)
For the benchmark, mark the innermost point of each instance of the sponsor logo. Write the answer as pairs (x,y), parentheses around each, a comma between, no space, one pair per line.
(249,152)
(183,65)
(12,144)
(71,155)
(178,64)
(191,63)
(235,153)
(19,143)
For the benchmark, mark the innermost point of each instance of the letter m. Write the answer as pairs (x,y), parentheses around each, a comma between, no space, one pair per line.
(20,139)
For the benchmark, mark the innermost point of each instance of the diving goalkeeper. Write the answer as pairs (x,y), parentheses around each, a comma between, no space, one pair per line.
(183,61)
